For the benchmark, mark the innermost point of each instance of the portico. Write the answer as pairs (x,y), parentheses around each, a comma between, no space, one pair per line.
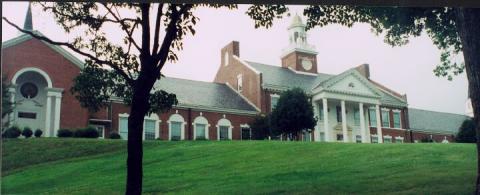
(341,107)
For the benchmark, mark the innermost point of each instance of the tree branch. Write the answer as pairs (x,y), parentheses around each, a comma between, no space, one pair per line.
(170,36)
(124,27)
(70,46)
(157,29)
(145,52)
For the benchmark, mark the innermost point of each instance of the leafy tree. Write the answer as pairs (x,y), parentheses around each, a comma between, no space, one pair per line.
(260,127)
(7,106)
(293,113)
(454,30)
(152,35)
(466,132)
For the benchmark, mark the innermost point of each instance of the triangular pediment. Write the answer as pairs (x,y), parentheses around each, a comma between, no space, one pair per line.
(350,82)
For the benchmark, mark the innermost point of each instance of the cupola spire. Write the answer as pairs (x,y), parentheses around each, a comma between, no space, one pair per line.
(28,25)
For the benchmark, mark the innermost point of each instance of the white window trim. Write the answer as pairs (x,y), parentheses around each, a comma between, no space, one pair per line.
(224,122)
(387,137)
(202,121)
(176,118)
(374,136)
(226,59)
(95,126)
(381,114)
(400,118)
(245,126)
(273,96)
(399,138)
(240,83)
(153,117)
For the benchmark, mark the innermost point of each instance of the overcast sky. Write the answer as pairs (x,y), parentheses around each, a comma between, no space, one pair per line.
(407,69)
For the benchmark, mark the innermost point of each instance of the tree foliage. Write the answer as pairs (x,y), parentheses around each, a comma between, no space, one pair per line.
(293,112)
(466,132)
(7,106)
(260,127)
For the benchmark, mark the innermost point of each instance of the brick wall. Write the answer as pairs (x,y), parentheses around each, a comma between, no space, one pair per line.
(34,53)
(228,74)
(212,117)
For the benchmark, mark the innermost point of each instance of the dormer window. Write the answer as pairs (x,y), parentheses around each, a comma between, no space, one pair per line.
(239,82)
(225,59)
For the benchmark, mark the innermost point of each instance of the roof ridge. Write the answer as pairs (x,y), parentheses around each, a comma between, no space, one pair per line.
(260,63)
(443,112)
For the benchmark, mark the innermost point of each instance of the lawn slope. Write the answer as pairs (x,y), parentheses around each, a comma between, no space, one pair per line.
(239,167)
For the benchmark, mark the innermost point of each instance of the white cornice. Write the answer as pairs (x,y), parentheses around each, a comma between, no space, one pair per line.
(245,64)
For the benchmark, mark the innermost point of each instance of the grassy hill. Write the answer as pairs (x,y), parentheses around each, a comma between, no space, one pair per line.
(81,166)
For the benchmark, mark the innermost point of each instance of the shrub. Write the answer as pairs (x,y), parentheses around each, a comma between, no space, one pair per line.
(64,133)
(89,132)
(175,138)
(201,139)
(466,132)
(427,140)
(114,135)
(27,132)
(38,133)
(12,132)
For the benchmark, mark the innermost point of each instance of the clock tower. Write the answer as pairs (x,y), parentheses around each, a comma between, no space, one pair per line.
(299,55)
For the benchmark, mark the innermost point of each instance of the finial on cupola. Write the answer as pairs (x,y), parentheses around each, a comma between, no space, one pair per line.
(28,25)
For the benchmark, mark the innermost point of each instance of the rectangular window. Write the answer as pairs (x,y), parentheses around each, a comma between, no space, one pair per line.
(387,139)
(356,116)
(399,139)
(200,131)
(176,130)
(358,139)
(385,118)
(396,120)
(374,139)
(29,115)
(100,130)
(246,133)
(373,117)
(223,132)
(273,101)
(339,114)
(123,128)
(339,137)
(239,82)
(149,129)
(306,136)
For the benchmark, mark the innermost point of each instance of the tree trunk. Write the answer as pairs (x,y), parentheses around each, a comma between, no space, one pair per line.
(138,110)
(467,21)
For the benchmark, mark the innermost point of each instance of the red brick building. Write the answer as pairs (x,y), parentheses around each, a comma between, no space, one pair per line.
(350,107)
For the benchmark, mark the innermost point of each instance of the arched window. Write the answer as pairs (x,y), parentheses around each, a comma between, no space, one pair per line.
(224,129)
(151,126)
(225,59)
(176,127)
(200,128)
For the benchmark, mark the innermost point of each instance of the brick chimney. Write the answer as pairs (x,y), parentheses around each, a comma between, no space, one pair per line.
(233,48)
(364,70)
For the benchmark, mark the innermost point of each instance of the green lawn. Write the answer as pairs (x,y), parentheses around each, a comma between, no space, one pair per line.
(81,166)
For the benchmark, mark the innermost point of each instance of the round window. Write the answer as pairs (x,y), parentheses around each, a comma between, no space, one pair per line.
(29,90)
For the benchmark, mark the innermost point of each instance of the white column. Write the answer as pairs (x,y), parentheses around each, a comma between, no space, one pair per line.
(56,120)
(325,120)
(379,124)
(344,122)
(363,131)
(48,132)
(316,130)
(11,115)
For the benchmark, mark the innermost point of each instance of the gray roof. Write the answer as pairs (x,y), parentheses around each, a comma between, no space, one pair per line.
(435,122)
(204,94)
(283,78)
